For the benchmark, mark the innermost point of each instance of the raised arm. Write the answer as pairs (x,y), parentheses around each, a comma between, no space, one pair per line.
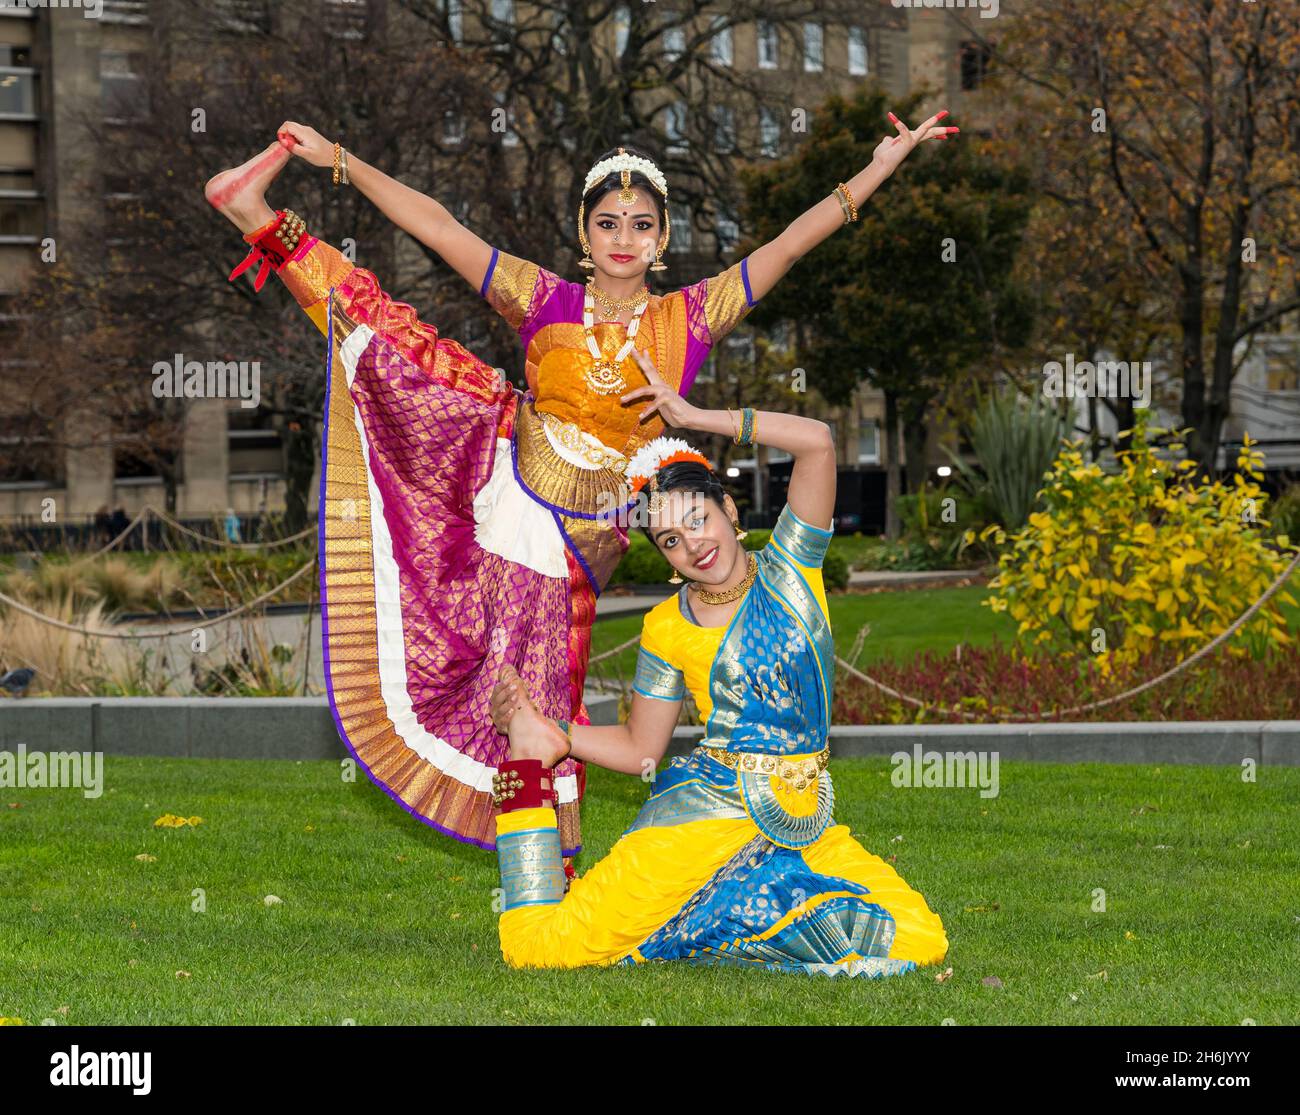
(807,440)
(411,211)
(770,262)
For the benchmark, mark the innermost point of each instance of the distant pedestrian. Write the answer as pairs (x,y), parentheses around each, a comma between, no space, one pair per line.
(232,526)
(103,525)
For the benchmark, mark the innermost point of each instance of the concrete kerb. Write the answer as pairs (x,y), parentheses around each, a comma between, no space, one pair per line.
(302,728)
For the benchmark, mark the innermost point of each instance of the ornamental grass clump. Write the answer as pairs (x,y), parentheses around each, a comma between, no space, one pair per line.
(1118,563)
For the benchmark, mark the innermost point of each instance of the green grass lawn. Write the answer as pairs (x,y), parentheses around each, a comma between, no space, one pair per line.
(384,921)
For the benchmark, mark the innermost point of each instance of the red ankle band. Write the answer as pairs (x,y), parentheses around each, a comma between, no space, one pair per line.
(273,244)
(523,784)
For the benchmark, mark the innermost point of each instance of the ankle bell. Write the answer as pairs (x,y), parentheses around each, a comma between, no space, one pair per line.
(523,784)
(273,244)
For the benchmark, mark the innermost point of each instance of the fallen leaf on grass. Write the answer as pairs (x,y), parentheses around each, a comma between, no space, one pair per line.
(182,974)
(1144,809)
(272,900)
(980,909)
(943,976)
(991,981)
(145,857)
(1098,975)
(15,805)
(1129,935)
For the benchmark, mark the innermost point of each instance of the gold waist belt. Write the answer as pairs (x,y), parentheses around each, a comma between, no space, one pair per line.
(569,434)
(798,772)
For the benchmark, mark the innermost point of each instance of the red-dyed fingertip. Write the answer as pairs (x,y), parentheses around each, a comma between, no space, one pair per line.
(893,119)
(941,115)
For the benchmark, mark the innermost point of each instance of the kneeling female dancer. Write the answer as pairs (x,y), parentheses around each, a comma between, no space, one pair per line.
(733,858)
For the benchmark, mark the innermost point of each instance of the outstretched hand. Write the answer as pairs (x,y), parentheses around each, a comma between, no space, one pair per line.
(892,150)
(307,143)
(672,408)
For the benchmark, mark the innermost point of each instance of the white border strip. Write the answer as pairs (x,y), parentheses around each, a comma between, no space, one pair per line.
(390,636)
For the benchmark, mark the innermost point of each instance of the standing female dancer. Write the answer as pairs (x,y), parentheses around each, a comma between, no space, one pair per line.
(465,524)
(733,857)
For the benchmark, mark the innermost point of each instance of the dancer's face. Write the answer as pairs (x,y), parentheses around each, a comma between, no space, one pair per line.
(624,238)
(691,528)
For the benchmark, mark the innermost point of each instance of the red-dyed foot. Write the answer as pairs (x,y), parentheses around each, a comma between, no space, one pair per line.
(239,193)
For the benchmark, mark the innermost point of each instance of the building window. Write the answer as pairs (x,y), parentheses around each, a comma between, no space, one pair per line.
(123,95)
(22,220)
(558,42)
(768,58)
(346,19)
(453,11)
(17,91)
(728,230)
(868,442)
(675,129)
(724,127)
(681,236)
(674,42)
(975,59)
(769,125)
(15,179)
(857,51)
(720,44)
(125,11)
(244,17)
(622,26)
(812,47)
(503,24)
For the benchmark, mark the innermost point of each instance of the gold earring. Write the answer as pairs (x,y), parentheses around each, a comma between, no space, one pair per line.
(587,261)
(675,579)
(740,533)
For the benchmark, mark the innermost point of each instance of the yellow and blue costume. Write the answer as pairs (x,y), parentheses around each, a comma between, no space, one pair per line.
(733,858)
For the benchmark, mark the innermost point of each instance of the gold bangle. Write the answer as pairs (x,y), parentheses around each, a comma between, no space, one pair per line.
(337,149)
(847,200)
(736,436)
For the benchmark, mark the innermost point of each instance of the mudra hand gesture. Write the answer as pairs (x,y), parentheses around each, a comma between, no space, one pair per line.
(892,150)
(672,408)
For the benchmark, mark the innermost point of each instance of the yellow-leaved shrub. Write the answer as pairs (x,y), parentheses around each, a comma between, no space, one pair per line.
(1117,563)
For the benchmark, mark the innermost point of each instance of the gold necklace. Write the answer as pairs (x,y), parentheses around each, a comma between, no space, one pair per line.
(729,594)
(610,305)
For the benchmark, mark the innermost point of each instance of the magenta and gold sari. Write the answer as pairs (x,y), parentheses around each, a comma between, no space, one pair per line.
(464,523)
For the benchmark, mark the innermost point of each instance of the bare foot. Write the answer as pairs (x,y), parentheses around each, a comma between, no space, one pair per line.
(532,735)
(239,193)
